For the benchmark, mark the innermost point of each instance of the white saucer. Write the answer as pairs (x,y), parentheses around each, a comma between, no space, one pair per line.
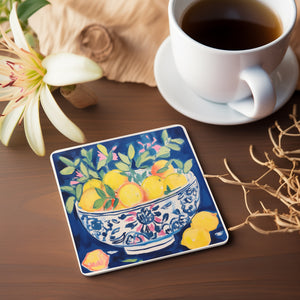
(181,98)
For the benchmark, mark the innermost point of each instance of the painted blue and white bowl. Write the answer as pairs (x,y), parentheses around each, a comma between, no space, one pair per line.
(146,227)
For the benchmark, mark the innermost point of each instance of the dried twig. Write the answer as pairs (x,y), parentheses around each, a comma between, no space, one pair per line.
(286,219)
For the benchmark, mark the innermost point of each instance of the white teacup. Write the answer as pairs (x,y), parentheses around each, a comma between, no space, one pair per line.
(231,76)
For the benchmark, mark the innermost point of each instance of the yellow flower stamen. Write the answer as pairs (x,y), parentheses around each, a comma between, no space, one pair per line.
(25,77)
(23,70)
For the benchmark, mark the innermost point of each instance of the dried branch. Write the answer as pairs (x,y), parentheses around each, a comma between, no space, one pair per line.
(287,192)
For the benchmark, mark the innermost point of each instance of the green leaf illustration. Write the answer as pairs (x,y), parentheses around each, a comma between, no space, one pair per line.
(70,204)
(82,179)
(76,162)
(90,154)
(187,166)
(174,147)
(116,202)
(78,191)
(167,190)
(100,193)
(98,203)
(108,204)
(89,163)
(101,164)
(162,170)
(124,158)
(93,173)
(84,170)
(68,189)
(109,191)
(145,156)
(131,151)
(163,152)
(122,167)
(177,141)
(109,157)
(67,171)
(101,174)
(165,136)
(132,260)
(83,153)
(102,149)
(66,161)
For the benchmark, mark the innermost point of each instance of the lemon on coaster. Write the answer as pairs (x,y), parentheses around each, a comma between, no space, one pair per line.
(88,199)
(153,187)
(114,179)
(96,260)
(206,220)
(174,181)
(159,165)
(130,194)
(194,238)
(92,183)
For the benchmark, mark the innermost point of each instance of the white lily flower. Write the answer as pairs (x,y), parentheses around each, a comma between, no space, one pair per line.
(24,81)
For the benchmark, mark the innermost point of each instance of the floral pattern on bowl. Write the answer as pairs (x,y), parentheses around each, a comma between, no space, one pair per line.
(149,226)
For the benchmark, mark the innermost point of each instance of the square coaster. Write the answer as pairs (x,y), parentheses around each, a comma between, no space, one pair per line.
(135,199)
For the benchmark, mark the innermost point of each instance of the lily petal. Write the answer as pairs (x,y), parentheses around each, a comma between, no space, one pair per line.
(68,68)
(8,92)
(9,121)
(16,29)
(58,118)
(32,126)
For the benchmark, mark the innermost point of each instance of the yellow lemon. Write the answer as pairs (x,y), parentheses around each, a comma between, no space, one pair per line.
(153,187)
(130,194)
(114,179)
(159,165)
(88,199)
(206,220)
(174,181)
(92,183)
(194,238)
(96,260)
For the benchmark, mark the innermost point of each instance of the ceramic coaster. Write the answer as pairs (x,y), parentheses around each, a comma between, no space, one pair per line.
(136,199)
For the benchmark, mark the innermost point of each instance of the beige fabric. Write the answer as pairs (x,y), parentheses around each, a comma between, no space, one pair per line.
(121,35)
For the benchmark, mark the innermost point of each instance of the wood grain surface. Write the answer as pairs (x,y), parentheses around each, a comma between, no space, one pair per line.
(37,258)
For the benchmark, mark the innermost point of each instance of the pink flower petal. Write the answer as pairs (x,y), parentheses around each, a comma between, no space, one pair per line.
(161,233)
(156,147)
(78,174)
(101,156)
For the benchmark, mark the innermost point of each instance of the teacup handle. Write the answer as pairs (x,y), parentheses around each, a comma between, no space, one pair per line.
(263,94)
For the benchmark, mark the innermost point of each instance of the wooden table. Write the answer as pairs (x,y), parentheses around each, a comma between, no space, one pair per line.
(37,256)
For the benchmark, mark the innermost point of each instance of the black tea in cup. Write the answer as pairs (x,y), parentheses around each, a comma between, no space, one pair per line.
(231,24)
